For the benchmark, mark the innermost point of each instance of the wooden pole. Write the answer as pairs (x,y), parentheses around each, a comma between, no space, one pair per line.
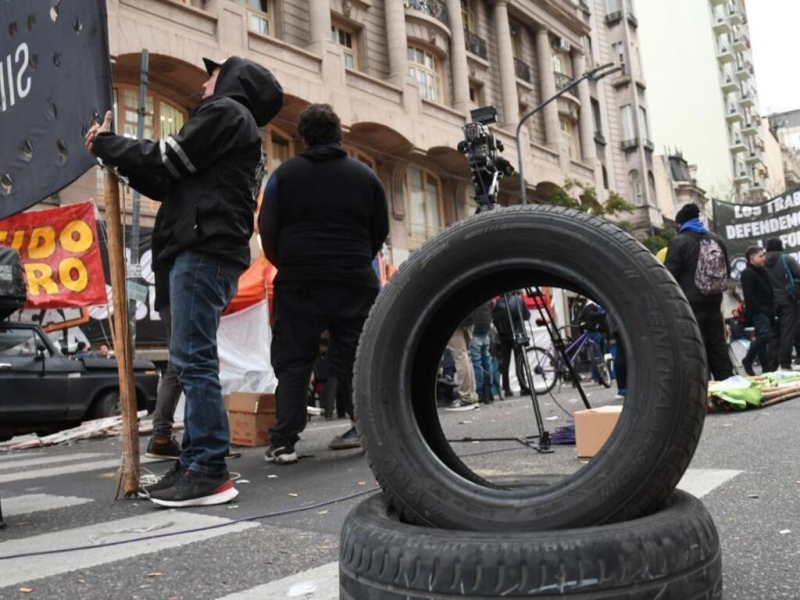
(128,480)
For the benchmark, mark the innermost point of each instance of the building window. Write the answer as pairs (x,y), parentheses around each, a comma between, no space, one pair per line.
(643,131)
(516,39)
(569,141)
(589,49)
(598,118)
(280,148)
(476,93)
(467,15)
(636,189)
(423,67)
(618,53)
(360,155)
(628,126)
(162,118)
(425,212)
(614,6)
(347,39)
(259,16)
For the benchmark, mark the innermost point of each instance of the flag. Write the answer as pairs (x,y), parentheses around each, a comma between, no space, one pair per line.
(55,79)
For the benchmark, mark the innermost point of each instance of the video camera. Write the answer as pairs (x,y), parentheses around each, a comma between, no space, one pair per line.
(482,148)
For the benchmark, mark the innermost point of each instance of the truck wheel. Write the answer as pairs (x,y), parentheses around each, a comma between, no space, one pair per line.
(106,405)
(472,262)
(673,553)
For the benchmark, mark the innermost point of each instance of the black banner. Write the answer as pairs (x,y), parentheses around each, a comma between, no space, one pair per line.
(743,225)
(55,77)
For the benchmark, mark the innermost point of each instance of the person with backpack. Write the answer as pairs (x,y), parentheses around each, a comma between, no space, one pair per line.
(759,299)
(698,260)
(509,314)
(784,273)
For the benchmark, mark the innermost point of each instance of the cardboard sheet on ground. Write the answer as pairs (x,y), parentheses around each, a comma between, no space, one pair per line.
(244,339)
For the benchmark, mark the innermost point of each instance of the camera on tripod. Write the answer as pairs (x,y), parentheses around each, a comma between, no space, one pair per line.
(482,149)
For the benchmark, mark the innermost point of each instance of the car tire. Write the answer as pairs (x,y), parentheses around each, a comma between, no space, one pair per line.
(674,553)
(473,261)
(106,405)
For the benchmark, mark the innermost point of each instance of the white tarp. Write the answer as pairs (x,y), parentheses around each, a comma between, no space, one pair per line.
(244,339)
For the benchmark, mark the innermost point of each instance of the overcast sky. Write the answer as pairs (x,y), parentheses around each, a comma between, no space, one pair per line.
(773,31)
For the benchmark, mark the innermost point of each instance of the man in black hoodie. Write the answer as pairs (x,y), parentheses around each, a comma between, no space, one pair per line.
(785,276)
(206,177)
(323,219)
(758,298)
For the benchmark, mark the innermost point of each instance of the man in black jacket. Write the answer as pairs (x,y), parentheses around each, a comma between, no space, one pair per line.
(682,257)
(783,269)
(323,219)
(759,300)
(206,177)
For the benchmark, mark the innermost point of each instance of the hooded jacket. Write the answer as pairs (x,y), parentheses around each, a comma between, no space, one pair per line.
(205,175)
(681,262)
(324,218)
(775,267)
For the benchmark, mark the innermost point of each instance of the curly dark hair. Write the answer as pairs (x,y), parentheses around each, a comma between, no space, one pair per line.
(319,125)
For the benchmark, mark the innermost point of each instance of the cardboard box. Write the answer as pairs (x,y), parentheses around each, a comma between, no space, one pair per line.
(250,416)
(593,427)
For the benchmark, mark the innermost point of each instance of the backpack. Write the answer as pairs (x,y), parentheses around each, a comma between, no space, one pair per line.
(711,275)
(791,288)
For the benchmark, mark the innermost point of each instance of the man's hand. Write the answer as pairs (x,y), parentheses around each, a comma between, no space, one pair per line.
(95,129)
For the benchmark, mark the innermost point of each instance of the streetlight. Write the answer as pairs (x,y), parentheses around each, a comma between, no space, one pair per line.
(595,75)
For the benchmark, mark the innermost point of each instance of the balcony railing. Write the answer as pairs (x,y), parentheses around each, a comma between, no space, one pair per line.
(614,17)
(475,44)
(632,19)
(599,138)
(630,144)
(648,145)
(562,80)
(522,70)
(585,7)
(433,8)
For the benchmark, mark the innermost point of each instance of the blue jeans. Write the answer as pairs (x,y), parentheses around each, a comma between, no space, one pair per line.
(200,287)
(481,364)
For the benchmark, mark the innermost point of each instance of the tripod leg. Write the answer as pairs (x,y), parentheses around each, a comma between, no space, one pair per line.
(544,436)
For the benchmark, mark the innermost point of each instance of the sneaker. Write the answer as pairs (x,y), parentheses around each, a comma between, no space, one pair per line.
(348,440)
(508,393)
(197,489)
(748,367)
(458,405)
(166,481)
(280,453)
(165,448)
(621,393)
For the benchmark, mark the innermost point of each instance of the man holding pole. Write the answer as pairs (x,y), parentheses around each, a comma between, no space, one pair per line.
(206,177)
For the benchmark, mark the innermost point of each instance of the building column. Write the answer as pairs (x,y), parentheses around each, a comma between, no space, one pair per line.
(586,118)
(547,82)
(319,18)
(397,42)
(458,57)
(505,52)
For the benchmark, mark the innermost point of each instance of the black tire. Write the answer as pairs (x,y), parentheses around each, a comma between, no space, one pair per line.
(543,369)
(106,405)
(503,250)
(673,553)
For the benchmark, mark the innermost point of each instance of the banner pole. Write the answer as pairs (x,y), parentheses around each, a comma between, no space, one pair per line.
(128,480)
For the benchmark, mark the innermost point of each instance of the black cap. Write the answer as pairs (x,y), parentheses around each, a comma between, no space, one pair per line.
(211,65)
(687,213)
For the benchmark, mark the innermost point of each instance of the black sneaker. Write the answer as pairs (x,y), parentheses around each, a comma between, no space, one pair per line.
(280,453)
(197,489)
(163,448)
(166,481)
(459,406)
(347,441)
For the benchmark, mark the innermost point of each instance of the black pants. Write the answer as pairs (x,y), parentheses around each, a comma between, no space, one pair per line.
(504,348)
(712,330)
(302,312)
(787,327)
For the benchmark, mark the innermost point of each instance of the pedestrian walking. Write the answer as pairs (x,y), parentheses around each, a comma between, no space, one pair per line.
(759,300)
(784,274)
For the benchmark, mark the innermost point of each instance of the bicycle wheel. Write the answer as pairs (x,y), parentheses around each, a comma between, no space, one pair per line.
(600,365)
(544,369)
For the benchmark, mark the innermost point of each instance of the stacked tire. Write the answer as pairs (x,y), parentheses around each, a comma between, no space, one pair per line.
(617,528)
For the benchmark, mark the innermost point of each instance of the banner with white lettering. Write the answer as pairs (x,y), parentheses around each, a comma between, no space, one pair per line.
(55,77)
(743,225)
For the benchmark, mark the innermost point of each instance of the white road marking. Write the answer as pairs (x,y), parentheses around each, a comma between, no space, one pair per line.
(47,460)
(319,583)
(23,505)
(14,571)
(700,482)
(70,469)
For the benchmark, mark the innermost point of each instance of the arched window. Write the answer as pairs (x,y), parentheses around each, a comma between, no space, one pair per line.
(636,189)
(425,69)
(425,210)
(360,155)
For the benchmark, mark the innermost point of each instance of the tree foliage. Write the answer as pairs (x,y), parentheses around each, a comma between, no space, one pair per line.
(583,197)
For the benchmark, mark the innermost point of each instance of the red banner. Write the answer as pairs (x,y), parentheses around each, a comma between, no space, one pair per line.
(60,253)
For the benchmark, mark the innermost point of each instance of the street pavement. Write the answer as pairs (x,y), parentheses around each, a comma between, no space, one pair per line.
(68,538)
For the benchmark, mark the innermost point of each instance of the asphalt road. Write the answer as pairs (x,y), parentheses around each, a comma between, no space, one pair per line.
(280,538)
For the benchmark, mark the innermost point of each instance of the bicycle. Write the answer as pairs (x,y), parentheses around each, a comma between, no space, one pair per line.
(547,366)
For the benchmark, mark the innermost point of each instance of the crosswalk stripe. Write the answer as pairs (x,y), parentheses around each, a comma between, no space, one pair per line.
(15,571)
(320,583)
(23,505)
(74,468)
(17,455)
(700,482)
(48,460)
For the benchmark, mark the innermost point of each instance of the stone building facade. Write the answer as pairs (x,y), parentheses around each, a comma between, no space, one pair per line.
(403,76)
